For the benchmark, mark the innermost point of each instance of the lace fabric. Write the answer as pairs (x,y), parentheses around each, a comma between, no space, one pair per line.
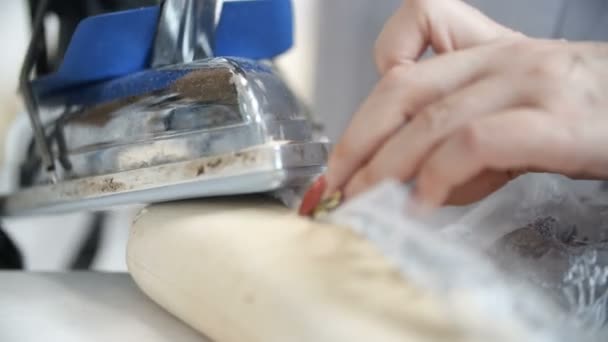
(556,291)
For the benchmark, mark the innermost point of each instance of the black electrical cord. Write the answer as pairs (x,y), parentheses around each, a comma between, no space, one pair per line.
(89,247)
(10,256)
(69,14)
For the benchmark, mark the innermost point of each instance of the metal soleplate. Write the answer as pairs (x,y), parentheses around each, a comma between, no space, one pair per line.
(264,168)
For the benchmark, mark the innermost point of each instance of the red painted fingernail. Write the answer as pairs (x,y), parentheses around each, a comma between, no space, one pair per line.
(313,197)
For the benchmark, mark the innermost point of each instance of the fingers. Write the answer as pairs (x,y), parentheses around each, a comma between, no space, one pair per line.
(480,187)
(401,92)
(513,140)
(445,25)
(401,155)
(403,38)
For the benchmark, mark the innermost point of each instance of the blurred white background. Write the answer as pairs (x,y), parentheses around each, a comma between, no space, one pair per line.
(330,67)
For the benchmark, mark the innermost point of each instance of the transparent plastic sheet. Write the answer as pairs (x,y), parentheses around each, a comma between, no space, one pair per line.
(448,254)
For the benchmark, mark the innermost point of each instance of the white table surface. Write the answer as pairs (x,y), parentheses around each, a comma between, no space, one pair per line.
(83,306)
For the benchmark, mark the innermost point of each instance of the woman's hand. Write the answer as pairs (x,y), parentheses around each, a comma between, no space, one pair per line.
(492,106)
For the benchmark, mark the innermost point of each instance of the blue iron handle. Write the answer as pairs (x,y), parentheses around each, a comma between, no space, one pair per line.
(112,45)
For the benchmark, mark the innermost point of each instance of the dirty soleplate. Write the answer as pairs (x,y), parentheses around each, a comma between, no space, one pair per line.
(260,169)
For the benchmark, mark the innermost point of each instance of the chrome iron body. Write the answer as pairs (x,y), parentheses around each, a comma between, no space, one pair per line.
(183,129)
(186,31)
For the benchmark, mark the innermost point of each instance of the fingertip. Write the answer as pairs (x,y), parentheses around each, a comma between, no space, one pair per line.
(337,171)
(331,181)
(419,205)
(313,196)
(355,186)
(429,192)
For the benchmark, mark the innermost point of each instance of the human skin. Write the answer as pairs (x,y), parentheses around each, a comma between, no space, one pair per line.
(490,106)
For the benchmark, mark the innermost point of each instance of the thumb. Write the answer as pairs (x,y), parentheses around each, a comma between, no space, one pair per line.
(444,25)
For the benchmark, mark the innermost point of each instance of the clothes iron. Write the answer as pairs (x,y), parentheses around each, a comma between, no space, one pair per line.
(167,102)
